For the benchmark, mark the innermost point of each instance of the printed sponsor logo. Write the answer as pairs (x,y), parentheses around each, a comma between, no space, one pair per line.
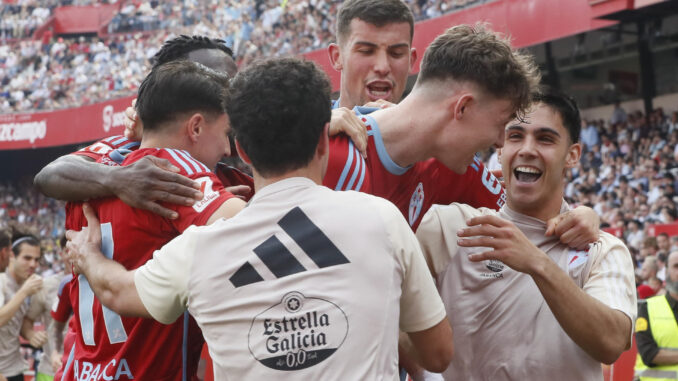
(31,131)
(113,370)
(416,203)
(112,119)
(496,269)
(297,333)
(209,194)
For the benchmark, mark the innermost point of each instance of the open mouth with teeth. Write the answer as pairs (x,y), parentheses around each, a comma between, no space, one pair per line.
(527,174)
(379,90)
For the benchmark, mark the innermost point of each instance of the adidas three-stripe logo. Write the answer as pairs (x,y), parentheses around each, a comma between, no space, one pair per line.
(280,261)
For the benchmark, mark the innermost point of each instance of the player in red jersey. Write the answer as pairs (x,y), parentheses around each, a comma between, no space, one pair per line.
(374,54)
(191,126)
(61,313)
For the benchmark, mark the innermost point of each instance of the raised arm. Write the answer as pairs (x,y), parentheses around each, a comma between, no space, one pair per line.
(141,185)
(32,285)
(600,330)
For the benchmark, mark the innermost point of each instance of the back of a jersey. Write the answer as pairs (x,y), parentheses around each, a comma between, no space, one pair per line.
(126,348)
(305,283)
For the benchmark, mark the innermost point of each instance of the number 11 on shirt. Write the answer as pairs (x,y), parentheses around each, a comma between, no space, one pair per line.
(112,321)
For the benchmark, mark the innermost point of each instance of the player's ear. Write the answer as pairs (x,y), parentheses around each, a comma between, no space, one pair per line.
(323,147)
(413,58)
(241,153)
(461,105)
(573,155)
(195,126)
(334,52)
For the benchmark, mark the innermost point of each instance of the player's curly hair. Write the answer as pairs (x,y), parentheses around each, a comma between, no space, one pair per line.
(478,55)
(278,108)
(178,48)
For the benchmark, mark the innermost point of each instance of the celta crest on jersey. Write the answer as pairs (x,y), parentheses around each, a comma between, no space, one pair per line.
(297,333)
(416,203)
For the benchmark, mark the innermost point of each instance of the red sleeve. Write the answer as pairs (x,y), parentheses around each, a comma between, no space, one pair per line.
(62,310)
(102,147)
(476,187)
(198,214)
(344,165)
(230,176)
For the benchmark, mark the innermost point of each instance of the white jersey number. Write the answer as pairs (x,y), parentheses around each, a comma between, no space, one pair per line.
(113,322)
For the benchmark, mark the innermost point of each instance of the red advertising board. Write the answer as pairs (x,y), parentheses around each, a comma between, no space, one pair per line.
(56,128)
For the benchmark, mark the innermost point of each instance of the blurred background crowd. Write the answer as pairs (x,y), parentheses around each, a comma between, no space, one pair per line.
(52,73)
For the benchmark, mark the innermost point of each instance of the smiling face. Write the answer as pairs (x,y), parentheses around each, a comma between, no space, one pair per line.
(536,154)
(374,62)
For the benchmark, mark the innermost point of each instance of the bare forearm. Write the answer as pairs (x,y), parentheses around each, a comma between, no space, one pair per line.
(599,330)
(114,286)
(55,331)
(8,310)
(72,178)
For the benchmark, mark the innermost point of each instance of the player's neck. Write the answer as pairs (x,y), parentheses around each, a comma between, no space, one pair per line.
(311,172)
(542,212)
(163,141)
(403,134)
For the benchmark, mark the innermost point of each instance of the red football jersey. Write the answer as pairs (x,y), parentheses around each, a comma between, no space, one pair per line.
(414,189)
(106,147)
(109,346)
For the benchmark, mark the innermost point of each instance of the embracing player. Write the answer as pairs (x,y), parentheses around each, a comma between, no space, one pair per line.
(188,128)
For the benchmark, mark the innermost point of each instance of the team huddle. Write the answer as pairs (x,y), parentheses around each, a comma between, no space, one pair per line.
(369,241)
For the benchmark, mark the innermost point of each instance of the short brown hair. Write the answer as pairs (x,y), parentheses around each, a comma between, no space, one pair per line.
(479,55)
(375,12)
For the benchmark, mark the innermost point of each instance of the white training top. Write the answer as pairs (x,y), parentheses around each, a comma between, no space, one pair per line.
(11,361)
(305,283)
(503,327)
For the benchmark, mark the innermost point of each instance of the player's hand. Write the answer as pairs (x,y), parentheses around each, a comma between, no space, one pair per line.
(576,228)
(2,378)
(84,243)
(509,244)
(240,191)
(133,126)
(55,359)
(32,285)
(151,180)
(379,103)
(38,339)
(347,122)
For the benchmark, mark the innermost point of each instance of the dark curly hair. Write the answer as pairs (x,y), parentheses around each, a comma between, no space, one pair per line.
(278,108)
(178,48)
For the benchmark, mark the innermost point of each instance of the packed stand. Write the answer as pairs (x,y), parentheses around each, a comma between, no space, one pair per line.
(59,73)
(629,175)
(22,206)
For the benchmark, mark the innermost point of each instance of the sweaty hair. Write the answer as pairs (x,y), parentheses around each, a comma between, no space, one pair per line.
(482,57)
(278,108)
(180,87)
(178,48)
(376,12)
(565,106)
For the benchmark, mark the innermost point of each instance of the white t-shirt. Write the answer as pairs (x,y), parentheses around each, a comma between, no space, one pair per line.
(11,361)
(305,283)
(503,328)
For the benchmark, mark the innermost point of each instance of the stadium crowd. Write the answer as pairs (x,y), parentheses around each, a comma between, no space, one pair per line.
(48,75)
